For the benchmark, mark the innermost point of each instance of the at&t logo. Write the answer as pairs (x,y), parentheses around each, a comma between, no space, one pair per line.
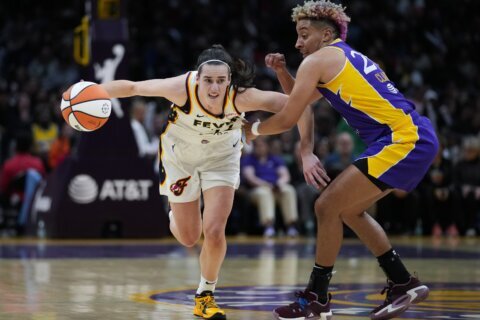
(84,189)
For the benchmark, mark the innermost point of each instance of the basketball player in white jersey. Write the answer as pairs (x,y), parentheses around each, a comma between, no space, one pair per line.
(200,150)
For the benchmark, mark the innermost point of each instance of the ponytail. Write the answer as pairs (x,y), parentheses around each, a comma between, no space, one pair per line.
(243,74)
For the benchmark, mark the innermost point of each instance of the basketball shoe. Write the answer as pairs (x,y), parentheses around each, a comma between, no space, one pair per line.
(206,307)
(305,307)
(399,298)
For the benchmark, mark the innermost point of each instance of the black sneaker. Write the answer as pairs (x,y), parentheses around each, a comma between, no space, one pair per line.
(305,307)
(399,298)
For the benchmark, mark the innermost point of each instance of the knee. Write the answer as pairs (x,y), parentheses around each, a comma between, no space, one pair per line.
(324,209)
(288,189)
(261,193)
(214,234)
(189,239)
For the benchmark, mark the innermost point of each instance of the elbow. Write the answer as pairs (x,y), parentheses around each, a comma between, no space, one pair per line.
(126,89)
(132,89)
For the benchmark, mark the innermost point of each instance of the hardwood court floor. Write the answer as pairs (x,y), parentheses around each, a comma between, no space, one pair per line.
(156,279)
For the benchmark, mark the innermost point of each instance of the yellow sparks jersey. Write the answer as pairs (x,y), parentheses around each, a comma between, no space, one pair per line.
(197,124)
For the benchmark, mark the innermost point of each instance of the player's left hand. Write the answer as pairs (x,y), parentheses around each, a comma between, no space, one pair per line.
(314,172)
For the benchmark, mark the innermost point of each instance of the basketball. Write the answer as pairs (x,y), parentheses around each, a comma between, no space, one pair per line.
(86,106)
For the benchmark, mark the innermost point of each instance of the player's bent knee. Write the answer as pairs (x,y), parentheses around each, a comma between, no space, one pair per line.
(189,240)
(324,209)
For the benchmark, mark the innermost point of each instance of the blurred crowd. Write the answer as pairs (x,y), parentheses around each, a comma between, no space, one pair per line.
(427,47)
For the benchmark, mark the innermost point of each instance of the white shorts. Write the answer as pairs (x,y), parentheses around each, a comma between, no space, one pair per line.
(189,167)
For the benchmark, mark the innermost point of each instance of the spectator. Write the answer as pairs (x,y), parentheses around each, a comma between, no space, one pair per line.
(467,182)
(34,66)
(358,144)
(322,149)
(341,157)
(147,147)
(306,193)
(269,178)
(18,118)
(435,111)
(397,212)
(439,191)
(20,176)
(61,147)
(45,132)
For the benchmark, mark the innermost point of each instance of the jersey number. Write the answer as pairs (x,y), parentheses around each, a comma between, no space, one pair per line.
(366,68)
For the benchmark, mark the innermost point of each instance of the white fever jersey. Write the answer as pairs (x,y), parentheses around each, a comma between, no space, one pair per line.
(199,150)
(196,122)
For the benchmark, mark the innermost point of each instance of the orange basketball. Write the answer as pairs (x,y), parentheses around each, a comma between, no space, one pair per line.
(86,106)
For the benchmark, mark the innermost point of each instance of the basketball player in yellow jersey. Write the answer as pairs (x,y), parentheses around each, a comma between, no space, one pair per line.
(200,150)
(401,145)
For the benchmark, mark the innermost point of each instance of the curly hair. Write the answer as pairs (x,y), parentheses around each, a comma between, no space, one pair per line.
(323,10)
(243,73)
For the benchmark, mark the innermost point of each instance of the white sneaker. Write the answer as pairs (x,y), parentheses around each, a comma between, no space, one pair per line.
(269,232)
(170,215)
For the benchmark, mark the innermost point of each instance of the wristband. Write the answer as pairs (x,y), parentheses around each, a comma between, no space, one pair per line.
(254,128)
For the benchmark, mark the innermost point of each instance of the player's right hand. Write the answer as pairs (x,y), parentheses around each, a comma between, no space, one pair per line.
(314,172)
(276,61)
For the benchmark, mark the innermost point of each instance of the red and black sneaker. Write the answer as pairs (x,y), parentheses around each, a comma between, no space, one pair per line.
(305,307)
(399,298)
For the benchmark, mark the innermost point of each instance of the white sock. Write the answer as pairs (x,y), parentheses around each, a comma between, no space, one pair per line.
(170,215)
(206,285)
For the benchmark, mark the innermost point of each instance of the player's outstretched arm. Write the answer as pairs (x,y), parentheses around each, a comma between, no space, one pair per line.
(253,99)
(172,89)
